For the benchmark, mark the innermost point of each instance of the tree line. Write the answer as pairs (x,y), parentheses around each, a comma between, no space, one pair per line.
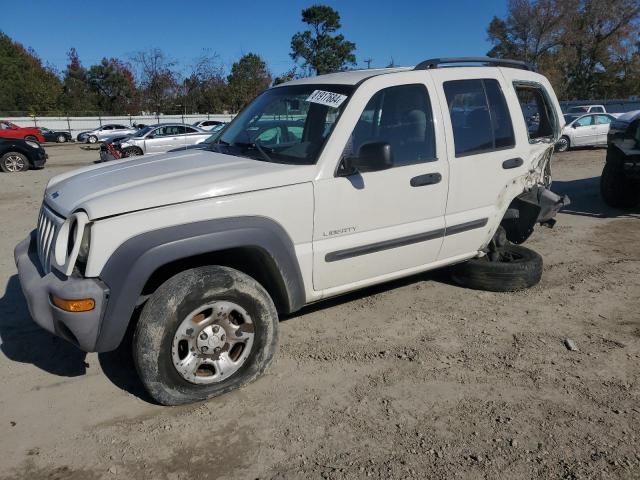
(149,81)
(589,49)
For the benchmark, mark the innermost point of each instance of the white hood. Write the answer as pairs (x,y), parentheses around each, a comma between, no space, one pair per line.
(146,182)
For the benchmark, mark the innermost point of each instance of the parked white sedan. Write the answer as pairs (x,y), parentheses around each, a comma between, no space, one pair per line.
(587,130)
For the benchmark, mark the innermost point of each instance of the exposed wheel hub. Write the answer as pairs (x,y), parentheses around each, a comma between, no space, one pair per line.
(211,340)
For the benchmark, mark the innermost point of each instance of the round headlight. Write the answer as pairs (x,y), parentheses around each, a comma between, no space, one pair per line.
(69,240)
(32,144)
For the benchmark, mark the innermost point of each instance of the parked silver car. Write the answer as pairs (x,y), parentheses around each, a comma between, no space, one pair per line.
(208,125)
(158,138)
(104,131)
(586,130)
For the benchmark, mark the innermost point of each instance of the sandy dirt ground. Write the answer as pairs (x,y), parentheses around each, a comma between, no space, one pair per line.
(414,379)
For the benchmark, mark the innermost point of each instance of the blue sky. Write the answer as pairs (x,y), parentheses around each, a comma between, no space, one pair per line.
(408,31)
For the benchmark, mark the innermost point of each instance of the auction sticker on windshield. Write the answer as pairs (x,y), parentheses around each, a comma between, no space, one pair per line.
(329,99)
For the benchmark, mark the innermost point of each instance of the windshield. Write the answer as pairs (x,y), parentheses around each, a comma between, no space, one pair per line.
(578,110)
(286,124)
(142,132)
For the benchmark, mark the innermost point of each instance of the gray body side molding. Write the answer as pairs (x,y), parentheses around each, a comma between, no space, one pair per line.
(131,265)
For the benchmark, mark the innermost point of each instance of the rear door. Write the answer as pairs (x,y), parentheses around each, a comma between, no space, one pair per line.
(603,122)
(484,156)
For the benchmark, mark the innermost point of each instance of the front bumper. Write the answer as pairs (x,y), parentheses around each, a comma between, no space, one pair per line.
(80,328)
(39,159)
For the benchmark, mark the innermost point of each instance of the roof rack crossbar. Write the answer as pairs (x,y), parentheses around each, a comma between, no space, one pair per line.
(488,61)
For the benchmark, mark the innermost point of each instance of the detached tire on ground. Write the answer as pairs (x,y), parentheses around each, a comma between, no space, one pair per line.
(617,190)
(519,268)
(204,332)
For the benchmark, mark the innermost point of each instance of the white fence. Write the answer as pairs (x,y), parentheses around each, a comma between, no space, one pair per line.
(75,125)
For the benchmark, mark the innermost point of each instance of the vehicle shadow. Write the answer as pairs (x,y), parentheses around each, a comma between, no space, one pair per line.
(119,367)
(21,340)
(586,200)
(440,275)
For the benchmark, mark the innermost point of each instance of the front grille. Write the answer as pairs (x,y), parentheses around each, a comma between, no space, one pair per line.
(48,226)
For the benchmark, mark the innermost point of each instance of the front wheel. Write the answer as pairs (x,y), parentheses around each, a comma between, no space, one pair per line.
(515,268)
(563,144)
(13,162)
(204,332)
(131,152)
(616,189)
(92,139)
(61,139)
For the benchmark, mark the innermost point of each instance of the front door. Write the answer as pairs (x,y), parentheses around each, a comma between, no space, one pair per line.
(164,139)
(372,224)
(585,131)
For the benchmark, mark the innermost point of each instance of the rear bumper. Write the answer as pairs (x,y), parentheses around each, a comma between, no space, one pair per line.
(80,328)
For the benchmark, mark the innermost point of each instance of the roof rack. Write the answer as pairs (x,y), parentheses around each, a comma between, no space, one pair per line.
(487,61)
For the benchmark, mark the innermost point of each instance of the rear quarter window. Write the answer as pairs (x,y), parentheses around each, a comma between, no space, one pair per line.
(539,115)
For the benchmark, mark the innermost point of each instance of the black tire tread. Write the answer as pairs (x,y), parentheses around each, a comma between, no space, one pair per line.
(482,274)
(160,317)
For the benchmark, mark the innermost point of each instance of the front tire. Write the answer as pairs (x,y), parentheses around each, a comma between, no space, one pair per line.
(13,162)
(563,144)
(92,139)
(517,268)
(617,190)
(131,152)
(61,139)
(204,332)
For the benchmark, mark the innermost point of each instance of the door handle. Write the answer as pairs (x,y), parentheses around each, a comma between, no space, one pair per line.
(426,179)
(512,163)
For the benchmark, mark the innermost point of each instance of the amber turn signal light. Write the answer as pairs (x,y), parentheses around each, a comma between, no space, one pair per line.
(80,305)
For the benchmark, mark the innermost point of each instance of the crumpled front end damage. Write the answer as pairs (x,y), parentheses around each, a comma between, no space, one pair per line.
(536,205)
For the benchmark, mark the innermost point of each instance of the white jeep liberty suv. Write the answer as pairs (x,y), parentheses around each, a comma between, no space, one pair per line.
(319,187)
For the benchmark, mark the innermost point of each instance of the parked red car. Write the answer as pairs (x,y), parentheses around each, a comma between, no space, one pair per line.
(11,130)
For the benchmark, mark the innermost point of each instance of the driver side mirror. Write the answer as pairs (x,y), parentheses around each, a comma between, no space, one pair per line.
(372,157)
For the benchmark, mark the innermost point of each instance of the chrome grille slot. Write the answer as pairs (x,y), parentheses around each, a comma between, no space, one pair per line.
(48,226)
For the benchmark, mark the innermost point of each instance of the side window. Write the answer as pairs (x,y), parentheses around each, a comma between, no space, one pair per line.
(585,121)
(119,127)
(159,132)
(479,115)
(189,130)
(400,116)
(538,113)
(604,119)
(107,127)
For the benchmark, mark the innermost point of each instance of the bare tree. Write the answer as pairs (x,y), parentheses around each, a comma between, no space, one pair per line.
(157,79)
